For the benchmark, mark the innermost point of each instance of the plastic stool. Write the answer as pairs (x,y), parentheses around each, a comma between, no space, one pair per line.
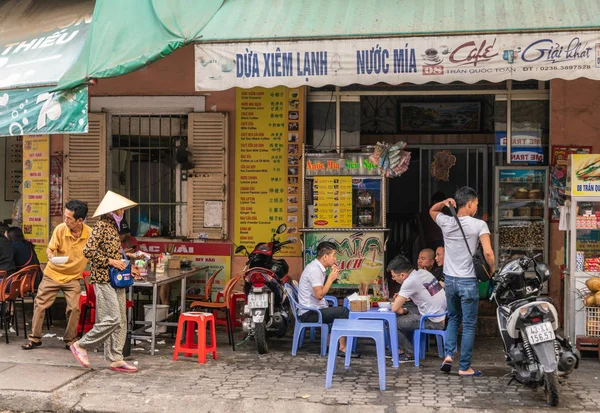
(374,329)
(234,298)
(201,320)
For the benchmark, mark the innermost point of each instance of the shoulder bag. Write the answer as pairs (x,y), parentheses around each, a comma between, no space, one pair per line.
(482,269)
(121,278)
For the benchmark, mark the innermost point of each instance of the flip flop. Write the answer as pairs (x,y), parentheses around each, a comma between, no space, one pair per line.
(446,367)
(476,373)
(125,368)
(79,356)
(30,345)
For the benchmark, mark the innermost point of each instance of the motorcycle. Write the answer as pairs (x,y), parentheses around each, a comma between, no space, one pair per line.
(267,308)
(529,326)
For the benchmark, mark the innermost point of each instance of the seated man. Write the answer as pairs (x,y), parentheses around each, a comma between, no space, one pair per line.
(438,271)
(425,291)
(426,259)
(313,288)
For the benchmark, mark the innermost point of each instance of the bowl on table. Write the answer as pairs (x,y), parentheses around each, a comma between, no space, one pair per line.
(385,304)
(59,260)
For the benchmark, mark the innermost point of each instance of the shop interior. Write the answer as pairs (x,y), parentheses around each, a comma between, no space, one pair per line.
(456,136)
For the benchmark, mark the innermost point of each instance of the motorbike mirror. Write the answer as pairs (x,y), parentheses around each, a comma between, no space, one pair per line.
(281,229)
(240,249)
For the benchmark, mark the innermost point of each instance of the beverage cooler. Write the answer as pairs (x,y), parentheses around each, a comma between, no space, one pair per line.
(521,213)
(582,285)
(345,202)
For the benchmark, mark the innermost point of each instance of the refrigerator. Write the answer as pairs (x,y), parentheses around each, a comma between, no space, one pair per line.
(521,214)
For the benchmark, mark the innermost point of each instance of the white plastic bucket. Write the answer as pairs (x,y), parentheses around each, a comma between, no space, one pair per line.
(162,312)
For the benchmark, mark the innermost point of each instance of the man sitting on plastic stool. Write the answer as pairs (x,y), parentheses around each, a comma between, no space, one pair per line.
(313,288)
(425,291)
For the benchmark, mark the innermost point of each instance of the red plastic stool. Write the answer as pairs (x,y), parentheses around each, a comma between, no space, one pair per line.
(234,298)
(189,348)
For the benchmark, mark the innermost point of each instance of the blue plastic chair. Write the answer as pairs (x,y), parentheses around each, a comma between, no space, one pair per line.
(331,301)
(421,339)
(352,329)
(299,325)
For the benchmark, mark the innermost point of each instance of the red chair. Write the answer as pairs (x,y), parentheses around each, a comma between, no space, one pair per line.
(88,302)
(235,297)
(9,292)
(200,348)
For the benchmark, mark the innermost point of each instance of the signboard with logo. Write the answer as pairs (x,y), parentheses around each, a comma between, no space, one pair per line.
(419,60)
(269,131)
(584,175)
(526,146)
(360,254)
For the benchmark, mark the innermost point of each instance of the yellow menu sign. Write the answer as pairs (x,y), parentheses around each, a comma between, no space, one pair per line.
(36,192)
(584,175)
(269,130)
(333,202)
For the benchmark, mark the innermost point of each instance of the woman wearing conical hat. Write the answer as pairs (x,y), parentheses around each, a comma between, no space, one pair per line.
(103,249)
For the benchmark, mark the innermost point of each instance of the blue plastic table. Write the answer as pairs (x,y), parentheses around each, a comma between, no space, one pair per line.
(390,318)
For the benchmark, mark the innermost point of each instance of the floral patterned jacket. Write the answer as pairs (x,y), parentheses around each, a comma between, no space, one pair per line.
(103,244)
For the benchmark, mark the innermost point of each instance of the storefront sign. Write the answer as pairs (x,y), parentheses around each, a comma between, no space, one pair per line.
(13,167)
(38,111)
(360,254)
(419,60)
(333,202)
(36,191)
(269,135)
(216,258)
(584,175)
(351,165)
(558,175)
(526,147)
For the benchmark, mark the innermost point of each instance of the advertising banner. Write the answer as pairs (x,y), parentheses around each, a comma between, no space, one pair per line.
(269,131)
(36,191)
(467,58)
(333,202)
(360,254)
(559,171)
(213,257)
(584,175)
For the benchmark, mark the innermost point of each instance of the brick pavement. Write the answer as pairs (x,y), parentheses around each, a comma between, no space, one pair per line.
(243,377)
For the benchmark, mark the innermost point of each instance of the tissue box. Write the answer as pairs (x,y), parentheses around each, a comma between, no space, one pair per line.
(362,304)
(174,263)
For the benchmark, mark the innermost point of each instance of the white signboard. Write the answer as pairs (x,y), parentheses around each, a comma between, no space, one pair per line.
(466,58)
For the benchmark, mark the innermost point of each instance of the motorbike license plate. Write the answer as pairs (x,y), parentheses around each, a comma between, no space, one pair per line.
(539,333)
(258,300)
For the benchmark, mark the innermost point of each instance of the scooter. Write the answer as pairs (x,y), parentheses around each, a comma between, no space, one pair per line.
(529,326)
(267,311)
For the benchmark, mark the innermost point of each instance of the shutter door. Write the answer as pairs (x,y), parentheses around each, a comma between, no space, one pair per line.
(207,142)
(85,165)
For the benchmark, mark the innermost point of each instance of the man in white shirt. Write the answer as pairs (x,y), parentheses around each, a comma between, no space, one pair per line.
(462,292)
(426,293)
(313,288)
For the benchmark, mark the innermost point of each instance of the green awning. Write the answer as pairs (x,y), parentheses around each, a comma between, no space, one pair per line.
(128,35)
(39,41)
(253,20)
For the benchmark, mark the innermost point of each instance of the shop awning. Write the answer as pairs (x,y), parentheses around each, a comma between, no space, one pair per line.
(241,20)
(39,41)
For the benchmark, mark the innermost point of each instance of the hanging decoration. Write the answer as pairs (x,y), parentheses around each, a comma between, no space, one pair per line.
(391,159)
(442,162)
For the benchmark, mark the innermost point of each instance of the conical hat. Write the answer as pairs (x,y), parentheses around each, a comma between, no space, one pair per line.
(112,202)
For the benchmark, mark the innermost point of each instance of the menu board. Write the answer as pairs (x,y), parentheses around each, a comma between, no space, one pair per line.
(36,193)
(13,158)
(333,202)
(269,131)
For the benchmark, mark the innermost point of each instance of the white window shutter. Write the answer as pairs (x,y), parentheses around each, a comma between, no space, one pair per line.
(85,165)
(207,142)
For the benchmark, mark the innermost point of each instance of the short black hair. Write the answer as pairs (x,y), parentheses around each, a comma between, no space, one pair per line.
(15,234)
(465,195)
(79,208)
(3,228)
(400,264)
(325,248)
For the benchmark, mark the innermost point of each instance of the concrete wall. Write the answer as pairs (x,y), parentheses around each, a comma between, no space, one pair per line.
(574,121)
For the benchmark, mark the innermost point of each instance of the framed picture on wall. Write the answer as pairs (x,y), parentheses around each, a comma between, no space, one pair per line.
(440,117)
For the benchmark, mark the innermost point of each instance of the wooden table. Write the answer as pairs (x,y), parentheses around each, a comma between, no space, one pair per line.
(154,281)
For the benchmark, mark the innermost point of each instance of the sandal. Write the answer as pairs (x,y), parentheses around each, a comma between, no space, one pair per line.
(30,345)
(79,356)
(476,373)
(125,368)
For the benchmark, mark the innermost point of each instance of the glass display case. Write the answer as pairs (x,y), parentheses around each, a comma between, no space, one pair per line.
(521,213)
(344,202)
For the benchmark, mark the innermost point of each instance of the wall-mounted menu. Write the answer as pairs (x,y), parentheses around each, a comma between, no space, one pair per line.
(13,158)
(36,193)
(269,135)
(333,202)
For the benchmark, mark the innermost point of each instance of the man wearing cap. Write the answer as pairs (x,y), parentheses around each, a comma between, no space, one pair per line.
(68,240)
(128,241)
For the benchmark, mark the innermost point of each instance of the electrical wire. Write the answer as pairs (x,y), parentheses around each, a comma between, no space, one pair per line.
(326,119)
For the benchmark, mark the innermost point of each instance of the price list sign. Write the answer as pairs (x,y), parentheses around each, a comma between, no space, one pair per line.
(36,193)
(333,202)
(269,127)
